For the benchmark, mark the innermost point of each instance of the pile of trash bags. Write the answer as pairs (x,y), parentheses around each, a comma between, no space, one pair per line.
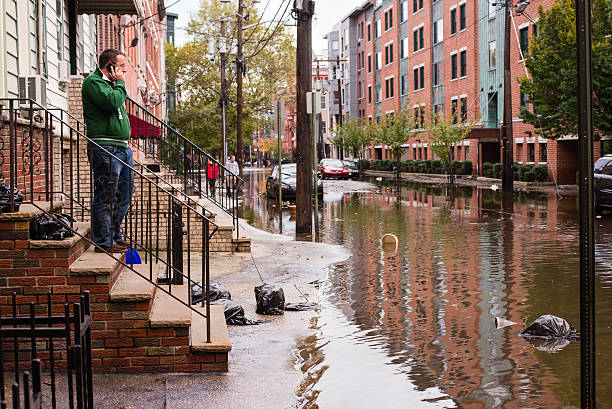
(51,227)
(270,300)
(5,198)
(219,295)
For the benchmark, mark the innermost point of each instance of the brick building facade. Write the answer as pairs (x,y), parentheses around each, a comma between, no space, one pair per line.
(443,56)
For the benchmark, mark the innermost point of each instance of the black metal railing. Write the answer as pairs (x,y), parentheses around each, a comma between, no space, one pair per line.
(50,340)
(185,162)
(49,163)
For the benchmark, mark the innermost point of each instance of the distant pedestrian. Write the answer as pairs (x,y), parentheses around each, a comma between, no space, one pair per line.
(212,173)
(108,125)
(232,167)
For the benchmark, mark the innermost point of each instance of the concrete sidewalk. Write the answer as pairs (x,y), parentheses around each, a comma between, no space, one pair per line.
(262,360)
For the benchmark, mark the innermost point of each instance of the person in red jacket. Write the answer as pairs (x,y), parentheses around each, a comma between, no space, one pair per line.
(212,172)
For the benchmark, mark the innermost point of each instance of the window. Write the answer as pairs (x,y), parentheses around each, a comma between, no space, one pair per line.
(531,152)
(437,74)
(359,90)
(543,152)
(463,55)
(415,40)
(422,76)
(390,12)
(377,34)
(386,21)
(369,32)
(454,110)
(416,116)
(524,40)
(453,19)
(346,37)
(404,83)
(534,28)
(492,55)
(377,93)
(417,5)
(389,88)
(454,66)
(464,109)
(322,102)
(389,54)
(466,152)
(438,31)
(462,16)
(415,74)
(418,37)
(421,38)
(404,48)
(369,94)
(335,45)
(378,61)
(403,11)
(369,63)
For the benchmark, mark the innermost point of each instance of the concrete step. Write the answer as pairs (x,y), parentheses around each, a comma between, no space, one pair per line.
(29,211)
(81,228)
(92,263)
(219,335)
(132,287)
(167,311)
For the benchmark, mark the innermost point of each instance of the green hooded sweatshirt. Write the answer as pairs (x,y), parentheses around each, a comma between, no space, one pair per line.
(104,110)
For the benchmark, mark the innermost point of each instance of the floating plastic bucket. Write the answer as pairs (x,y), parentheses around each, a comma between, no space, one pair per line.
(132,257)
(389,243)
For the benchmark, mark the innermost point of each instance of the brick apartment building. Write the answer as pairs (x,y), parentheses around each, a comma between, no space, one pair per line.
(441,56)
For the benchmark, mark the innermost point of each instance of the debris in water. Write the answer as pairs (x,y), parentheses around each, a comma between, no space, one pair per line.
(389,242)
(550,327)
(494,187)
(503,323)
(379,179)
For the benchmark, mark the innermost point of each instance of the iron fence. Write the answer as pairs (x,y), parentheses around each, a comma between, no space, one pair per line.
(185,162)
(66,343)
(48,161)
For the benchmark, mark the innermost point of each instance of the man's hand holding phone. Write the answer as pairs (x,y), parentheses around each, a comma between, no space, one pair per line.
(114,73)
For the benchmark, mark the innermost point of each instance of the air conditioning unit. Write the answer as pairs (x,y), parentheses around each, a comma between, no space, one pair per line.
(35,88)
(63,75)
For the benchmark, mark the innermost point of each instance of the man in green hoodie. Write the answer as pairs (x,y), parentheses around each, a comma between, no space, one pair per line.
(110,157)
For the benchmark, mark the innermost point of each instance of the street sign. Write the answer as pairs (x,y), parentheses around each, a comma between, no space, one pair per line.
(317,100)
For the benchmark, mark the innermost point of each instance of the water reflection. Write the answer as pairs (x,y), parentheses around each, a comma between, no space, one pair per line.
(416,327)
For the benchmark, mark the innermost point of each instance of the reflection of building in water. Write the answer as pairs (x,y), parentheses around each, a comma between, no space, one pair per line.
(432,304)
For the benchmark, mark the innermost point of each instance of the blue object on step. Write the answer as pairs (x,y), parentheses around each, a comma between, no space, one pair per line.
(132,257)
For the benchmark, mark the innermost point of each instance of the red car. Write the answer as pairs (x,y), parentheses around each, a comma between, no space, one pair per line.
(333,168)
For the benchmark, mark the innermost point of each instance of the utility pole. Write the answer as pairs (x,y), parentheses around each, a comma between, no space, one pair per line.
(506,131)
(223,101)
(303,222)
(587,228)
(239,68)
(340,106)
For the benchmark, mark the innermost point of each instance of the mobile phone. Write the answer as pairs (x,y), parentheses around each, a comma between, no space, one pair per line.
(109,66)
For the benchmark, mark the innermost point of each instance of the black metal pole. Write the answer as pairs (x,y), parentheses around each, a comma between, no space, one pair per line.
(587,235)
(506,132)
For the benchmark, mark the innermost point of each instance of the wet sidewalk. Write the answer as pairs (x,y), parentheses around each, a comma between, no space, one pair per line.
(262,373)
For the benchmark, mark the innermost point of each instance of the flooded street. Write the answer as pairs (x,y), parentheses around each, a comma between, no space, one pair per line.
(415,328)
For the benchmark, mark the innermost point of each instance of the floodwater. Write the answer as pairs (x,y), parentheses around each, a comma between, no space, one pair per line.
(415,328)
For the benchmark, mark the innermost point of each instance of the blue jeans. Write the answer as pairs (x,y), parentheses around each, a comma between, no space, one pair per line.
(113,188)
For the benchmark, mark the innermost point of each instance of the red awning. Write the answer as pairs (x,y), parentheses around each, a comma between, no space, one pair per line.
(143,129)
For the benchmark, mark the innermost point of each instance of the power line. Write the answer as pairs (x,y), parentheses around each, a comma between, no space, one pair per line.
(273,33)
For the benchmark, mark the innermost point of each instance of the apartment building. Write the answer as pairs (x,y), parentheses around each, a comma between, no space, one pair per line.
(443,57)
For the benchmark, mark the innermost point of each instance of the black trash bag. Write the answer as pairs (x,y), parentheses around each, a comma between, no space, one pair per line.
(5,197)
(46,227)
(302,306)
(234,313)
(270,299)
(549,345)
(550,327)
(217,292)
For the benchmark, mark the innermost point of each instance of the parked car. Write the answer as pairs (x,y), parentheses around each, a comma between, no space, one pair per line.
(352,168)
(602,182)
(288,181)
(333,168)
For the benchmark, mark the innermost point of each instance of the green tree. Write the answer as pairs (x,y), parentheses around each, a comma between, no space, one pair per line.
(553,80)
(269,70)
(394,130)
(443,135)
(353,136)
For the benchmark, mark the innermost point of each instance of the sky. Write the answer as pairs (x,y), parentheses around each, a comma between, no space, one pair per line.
(327,13)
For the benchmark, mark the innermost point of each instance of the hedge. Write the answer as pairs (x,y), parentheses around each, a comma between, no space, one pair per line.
(523,173)
(417,166)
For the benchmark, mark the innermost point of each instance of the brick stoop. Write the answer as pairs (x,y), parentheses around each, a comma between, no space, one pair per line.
(135,326)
